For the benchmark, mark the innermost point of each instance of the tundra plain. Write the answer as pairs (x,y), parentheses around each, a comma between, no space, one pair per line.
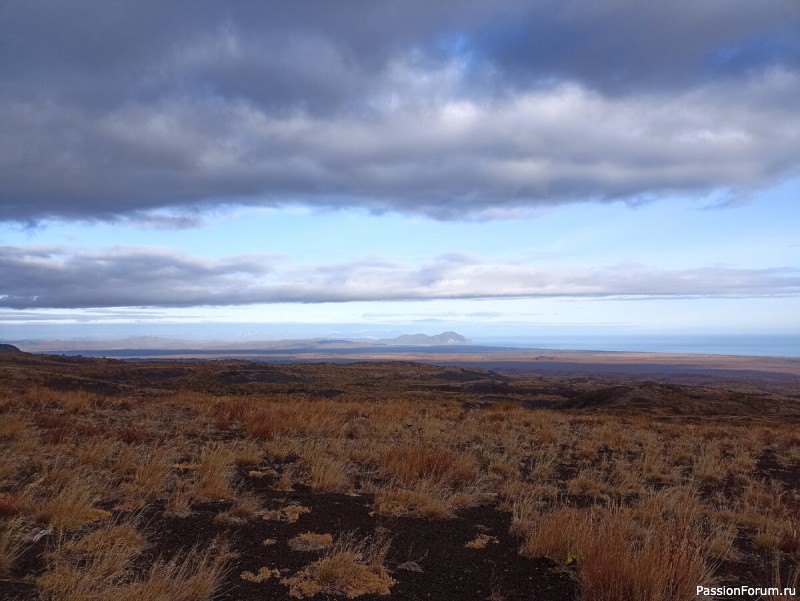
(244,480)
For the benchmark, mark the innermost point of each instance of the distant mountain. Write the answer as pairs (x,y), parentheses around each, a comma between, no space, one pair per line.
(9,348)
(158,343)
(137,342)
(423,339)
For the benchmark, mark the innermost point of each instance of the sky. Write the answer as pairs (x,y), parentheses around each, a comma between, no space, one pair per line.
(270,169)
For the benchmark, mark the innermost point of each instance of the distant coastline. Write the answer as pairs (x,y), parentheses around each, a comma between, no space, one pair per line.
(673,366)
(733,345)
(744,345)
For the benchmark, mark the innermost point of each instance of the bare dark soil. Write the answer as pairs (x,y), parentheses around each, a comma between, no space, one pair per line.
(437,548)
(428,559)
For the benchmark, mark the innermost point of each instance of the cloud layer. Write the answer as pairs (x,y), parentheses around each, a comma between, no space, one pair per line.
(448,109)
(58,278)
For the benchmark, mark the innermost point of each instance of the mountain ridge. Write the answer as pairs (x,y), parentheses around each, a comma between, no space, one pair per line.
(448,337)
(155,342)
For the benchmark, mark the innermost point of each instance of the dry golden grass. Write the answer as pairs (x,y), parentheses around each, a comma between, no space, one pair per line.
(12,534)
(423,501)
(504,469)
(286,480)
(790,537)
(481,541)
(12,428)
(620,556)
(125,538)
(592,483)
(708,464)
(558,533)
(665,566)
(720,544)
(181,498)
(263,575)
(782,578)
(247,452)
(246,507)
(351,567)
(409,464)
(150,477)
(288,513)
(641,503)
(83,567)
(298,418)
(99,565)
(215,472)
(194,576)
(71,506)
(311,541)
(327,474)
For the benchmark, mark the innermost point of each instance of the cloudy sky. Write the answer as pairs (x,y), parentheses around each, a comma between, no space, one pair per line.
(604,166)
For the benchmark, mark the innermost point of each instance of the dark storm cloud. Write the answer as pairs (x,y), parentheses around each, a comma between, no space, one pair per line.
(58,278)
(450,109)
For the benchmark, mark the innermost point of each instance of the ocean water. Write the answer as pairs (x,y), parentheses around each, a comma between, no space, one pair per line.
(774,345)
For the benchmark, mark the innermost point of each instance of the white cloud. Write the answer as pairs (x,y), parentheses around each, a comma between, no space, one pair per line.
(62,278)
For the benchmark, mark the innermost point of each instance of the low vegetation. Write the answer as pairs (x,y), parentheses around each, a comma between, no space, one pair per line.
(639,501)
(351,567)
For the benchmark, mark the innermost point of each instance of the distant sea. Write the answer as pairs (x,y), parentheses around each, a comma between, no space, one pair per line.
(774,345)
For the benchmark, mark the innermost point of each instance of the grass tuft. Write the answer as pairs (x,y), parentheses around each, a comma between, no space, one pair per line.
(351,567)
(310,541)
